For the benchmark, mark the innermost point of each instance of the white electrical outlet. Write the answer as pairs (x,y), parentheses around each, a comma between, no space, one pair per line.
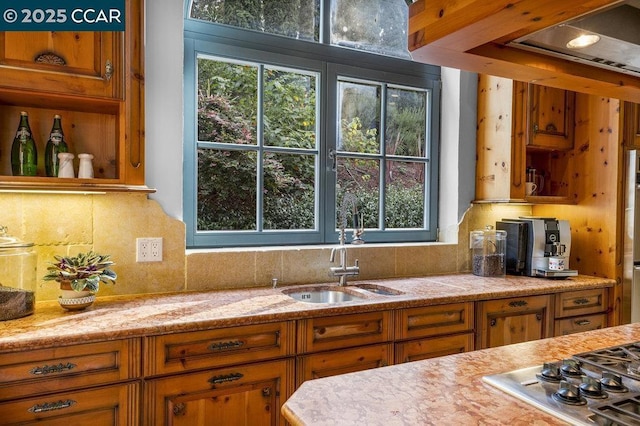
(148,249)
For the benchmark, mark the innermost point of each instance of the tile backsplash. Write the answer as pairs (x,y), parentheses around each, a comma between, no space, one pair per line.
(110,223)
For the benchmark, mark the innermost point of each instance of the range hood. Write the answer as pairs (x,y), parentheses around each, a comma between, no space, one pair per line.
(616,29)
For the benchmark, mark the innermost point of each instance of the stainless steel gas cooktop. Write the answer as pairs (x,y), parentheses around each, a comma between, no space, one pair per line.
(600,387)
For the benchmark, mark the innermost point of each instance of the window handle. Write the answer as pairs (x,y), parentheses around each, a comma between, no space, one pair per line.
(333,159)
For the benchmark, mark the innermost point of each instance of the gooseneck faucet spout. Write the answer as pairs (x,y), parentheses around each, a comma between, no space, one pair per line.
(342,270)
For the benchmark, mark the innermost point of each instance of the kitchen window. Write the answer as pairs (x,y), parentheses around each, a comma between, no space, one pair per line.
(280,125)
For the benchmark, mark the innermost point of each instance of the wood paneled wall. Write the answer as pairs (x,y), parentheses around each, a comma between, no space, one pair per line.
(597,218)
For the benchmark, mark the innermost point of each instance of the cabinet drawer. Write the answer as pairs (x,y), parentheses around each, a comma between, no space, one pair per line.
(579,324)
(248,394)
(343,361)
(434,320)
(326,333)
(214,348)
(516,304)
(50,370)
(583,302)
(105,406)
(416,350)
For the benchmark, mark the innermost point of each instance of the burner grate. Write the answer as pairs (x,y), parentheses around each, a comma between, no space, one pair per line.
(622,412)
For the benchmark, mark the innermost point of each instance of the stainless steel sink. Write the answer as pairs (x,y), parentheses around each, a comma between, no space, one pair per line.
(327,294)
(379,289)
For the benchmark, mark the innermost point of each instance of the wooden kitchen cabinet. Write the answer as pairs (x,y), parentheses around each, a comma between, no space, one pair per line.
(104,406)
(95,82)
(94,383)
(582,310)
(514,320)
(83,63)
(342,331)
(247,394)
(231,375)
(180,352)
(433,331)
(331,363)
(523,126)
(340,344)
(631,125)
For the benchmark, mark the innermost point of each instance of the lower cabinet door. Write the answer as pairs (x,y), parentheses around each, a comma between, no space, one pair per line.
(242,395)
(414,350)
(104,406)
(332,363)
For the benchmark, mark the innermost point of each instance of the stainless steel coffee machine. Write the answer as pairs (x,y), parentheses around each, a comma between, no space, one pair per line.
(538,246)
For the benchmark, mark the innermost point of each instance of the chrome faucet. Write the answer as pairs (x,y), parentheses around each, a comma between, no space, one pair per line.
(343,271)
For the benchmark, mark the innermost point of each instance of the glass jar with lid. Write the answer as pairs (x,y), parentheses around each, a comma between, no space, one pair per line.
(488,252)
(18,277)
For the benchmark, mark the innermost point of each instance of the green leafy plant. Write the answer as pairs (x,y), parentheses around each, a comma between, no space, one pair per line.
(85,271)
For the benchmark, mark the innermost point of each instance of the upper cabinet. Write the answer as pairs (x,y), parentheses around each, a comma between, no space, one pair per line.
(477,35)
(525,134)
(95,82)
(550,124)
(77,63)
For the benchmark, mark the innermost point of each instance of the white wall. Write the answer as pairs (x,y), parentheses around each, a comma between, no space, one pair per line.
(163,94)
(164,121)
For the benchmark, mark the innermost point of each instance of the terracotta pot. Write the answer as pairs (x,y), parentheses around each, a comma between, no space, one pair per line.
(72,300)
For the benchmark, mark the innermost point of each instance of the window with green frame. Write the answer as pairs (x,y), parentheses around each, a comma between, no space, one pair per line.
(283,119)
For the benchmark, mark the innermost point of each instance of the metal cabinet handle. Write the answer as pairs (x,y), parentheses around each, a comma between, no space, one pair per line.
(493,322)
(581,301)
(266,392)
(221,346)
(224,378)
(582,322)
(518,303)
(48,369)
(538,317)
(51,406)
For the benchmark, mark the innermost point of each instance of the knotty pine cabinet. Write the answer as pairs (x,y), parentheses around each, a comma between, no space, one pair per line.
(514,320)
(631,125)
(234,375)
(523,126)
(433,331)
(344,343)
(95,81)
(94,383)
(583,310)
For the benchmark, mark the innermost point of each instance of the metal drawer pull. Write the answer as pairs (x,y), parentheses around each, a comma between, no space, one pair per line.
(51,406)
(582,322)
(221,346)
(216,380)
(48,369)
(518,303)
(581,301)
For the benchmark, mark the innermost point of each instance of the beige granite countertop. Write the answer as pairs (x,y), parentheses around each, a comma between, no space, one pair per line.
(134,316)
(441,391)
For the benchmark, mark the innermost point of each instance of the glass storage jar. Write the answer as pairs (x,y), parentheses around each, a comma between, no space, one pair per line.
(488,252)
(18,270)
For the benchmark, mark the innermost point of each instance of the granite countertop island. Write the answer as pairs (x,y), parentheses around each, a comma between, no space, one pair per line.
(441,391)
(118,317)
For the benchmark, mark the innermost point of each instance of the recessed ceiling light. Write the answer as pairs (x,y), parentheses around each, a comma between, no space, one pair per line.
(583,41)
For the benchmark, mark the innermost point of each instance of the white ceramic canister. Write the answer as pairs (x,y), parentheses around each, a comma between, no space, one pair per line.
(85,169)
(65,169)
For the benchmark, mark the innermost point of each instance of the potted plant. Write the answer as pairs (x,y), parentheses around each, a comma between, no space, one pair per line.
(80,277)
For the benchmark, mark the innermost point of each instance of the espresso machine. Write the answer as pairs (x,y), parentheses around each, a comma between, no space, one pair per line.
(538,247)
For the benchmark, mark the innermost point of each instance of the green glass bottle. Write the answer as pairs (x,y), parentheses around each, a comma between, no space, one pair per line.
(24,156)
(55,144)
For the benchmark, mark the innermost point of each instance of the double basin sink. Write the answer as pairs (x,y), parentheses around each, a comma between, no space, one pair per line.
(338,294)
